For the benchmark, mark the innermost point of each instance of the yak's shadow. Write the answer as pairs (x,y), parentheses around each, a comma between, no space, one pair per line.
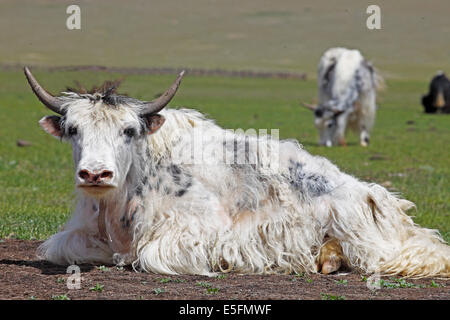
(46,267)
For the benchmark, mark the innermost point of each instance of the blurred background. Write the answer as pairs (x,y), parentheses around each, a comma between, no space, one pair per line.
(287,35)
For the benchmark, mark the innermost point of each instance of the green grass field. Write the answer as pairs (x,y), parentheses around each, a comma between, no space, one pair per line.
(408,148)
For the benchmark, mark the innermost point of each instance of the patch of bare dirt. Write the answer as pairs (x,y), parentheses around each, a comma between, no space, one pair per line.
(23,276)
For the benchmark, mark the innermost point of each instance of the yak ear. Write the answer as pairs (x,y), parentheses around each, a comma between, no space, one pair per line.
(153,122)
(52,125)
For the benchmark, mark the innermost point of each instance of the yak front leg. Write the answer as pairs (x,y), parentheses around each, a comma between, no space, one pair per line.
(341,121)
(115,227)
(364,138)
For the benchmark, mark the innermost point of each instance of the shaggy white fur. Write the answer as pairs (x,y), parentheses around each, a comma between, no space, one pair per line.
(180,206)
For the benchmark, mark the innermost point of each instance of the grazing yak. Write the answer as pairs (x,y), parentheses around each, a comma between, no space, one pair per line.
(170,192)
(438,99)
(347,96)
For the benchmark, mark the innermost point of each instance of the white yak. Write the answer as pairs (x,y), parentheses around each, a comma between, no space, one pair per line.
(171,192)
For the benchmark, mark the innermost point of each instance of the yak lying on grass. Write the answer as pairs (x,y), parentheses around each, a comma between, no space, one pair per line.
(170,192)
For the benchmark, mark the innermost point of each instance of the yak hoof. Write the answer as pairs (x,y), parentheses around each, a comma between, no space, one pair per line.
(365,142)
(330,257)
(121,259)
(331,265)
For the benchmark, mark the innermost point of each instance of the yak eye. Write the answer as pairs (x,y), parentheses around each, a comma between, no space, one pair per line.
(72,131)
(130,132)
(329,125)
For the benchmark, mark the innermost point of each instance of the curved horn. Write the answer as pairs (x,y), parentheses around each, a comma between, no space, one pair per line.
(46,98)
(337,112)
(309,106)
(159,103)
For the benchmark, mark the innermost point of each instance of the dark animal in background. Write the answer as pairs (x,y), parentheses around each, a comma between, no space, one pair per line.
(438,99)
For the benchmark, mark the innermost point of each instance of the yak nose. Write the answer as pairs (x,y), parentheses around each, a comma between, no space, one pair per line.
(95,178)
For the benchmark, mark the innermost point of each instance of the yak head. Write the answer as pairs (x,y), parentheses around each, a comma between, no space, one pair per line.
(106,132)
(326,121)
